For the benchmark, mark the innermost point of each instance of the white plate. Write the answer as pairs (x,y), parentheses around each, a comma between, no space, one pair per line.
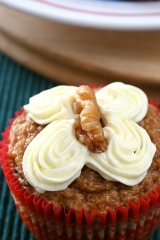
(94,13)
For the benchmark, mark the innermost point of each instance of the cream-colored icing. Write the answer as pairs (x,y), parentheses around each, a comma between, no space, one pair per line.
(53,104)
(54,158)
(122,101)
(129,153)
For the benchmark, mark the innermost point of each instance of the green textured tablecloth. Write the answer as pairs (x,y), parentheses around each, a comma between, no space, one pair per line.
(17,84)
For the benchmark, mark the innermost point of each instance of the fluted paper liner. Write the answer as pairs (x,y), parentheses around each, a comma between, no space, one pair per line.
(45,221)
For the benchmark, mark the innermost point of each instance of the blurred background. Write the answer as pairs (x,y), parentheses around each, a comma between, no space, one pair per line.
(45,43)
(81,42)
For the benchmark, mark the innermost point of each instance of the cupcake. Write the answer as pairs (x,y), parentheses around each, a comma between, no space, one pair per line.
(84,163)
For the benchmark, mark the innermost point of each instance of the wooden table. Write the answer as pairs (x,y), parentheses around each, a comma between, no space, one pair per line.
(79,55)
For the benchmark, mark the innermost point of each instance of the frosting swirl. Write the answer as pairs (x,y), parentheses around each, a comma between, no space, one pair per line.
(129,154)
(53,104)
(54,158)
(122,101)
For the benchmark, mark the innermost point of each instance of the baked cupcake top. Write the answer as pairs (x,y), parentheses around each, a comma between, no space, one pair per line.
(123,150)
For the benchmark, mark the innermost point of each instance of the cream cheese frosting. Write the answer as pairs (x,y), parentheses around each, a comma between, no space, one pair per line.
(53,104)
(54,158)
(122,101)
(129,153)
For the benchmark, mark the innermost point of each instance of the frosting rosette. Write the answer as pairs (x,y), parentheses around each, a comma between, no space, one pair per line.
(122,101)
(129,153)
(54,158)
(53,104)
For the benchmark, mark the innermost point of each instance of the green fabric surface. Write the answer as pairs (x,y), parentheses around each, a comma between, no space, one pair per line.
(17,84)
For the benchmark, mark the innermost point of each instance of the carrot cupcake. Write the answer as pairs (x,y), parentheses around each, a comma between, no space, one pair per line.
(85,164)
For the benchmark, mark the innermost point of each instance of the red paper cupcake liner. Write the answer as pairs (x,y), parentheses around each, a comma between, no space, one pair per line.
(45,221)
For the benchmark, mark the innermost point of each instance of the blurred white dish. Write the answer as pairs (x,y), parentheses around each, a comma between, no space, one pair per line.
(94,13)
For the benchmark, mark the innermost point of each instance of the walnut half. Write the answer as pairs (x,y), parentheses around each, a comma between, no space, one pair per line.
(90,131)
